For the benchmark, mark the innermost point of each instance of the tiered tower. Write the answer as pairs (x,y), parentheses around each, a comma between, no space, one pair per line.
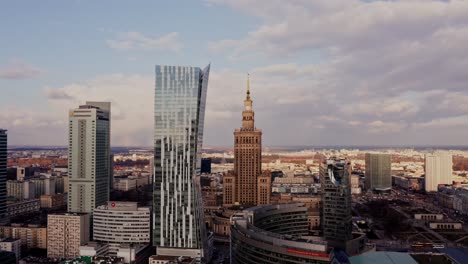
(246,185)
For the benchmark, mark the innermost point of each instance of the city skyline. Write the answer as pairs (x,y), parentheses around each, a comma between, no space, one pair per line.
(313,84)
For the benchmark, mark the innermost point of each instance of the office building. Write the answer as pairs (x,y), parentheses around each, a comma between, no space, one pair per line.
(66,233)
(122,223)
(336,202)
(378,172)
(11,245)
(3,174)
(180,98)
(89,157)
(438,166)
(246,185)
(111,167)
(277,233)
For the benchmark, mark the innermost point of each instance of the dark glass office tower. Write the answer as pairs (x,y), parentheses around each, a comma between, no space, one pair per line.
(179,113)
(3,173)
(336,199)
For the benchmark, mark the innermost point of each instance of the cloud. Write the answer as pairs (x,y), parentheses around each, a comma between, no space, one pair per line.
(385,70)
(137,41)
(131,98)
(19,70)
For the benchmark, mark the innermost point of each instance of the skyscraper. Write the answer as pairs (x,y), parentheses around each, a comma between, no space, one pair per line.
(336,199)
(3,173)
(180,97)
(106,106)
(246,185)
(89,157)
(378,172)
(438,166)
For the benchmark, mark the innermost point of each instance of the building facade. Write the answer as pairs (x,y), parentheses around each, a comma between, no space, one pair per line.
(276,234)
(89,157)
(31,236)
(180,98)
(122,223)
(247,185)
(66,233)
(53,201)
(438,166)
(378,172)
(336,202)
(3,173)
(23,207)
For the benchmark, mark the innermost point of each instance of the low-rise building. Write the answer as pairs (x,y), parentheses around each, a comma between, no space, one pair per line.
(23,207)
(31,236)
(170,260)
(125,184)
(428,217)
(11,245)
(53,201)
(445,226)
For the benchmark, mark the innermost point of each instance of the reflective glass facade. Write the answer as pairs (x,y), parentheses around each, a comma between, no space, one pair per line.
(3,172)
(179,110)
(336,202)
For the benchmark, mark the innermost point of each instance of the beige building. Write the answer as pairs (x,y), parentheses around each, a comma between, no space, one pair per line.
(125,184)
(31,236)
(66,233)
(53,201)
(247,185)
(438,167)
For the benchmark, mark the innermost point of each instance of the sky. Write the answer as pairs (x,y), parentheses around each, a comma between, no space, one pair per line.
(323,72)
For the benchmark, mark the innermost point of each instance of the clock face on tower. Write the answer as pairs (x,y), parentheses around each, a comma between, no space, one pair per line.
(248,108)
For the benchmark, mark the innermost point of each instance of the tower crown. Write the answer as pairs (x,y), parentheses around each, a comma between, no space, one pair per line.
(248,113)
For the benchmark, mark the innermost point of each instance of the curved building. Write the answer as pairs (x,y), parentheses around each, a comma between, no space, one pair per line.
(276,234)
(122,223)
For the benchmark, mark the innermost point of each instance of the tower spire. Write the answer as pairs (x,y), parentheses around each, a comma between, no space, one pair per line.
(248,86)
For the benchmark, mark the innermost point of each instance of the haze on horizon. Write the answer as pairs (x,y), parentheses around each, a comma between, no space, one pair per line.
(323,72)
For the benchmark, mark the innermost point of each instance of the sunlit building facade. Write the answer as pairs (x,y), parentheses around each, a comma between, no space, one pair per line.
(89,157)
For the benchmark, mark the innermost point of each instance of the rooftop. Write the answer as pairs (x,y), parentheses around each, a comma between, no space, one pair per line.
(383,257)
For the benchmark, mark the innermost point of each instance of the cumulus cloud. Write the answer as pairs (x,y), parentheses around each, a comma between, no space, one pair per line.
(388,70)
(19,70)
(138,41)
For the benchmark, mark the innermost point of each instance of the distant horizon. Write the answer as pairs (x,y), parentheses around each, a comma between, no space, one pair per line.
(307,146)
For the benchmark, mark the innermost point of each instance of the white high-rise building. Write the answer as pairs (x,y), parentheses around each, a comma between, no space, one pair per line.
(438,170)
(89,157)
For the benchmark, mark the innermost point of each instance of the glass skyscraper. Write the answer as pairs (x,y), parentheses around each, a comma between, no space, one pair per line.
(179,113)
(3,172)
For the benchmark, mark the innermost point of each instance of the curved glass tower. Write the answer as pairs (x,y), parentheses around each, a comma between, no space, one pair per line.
(179,113)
